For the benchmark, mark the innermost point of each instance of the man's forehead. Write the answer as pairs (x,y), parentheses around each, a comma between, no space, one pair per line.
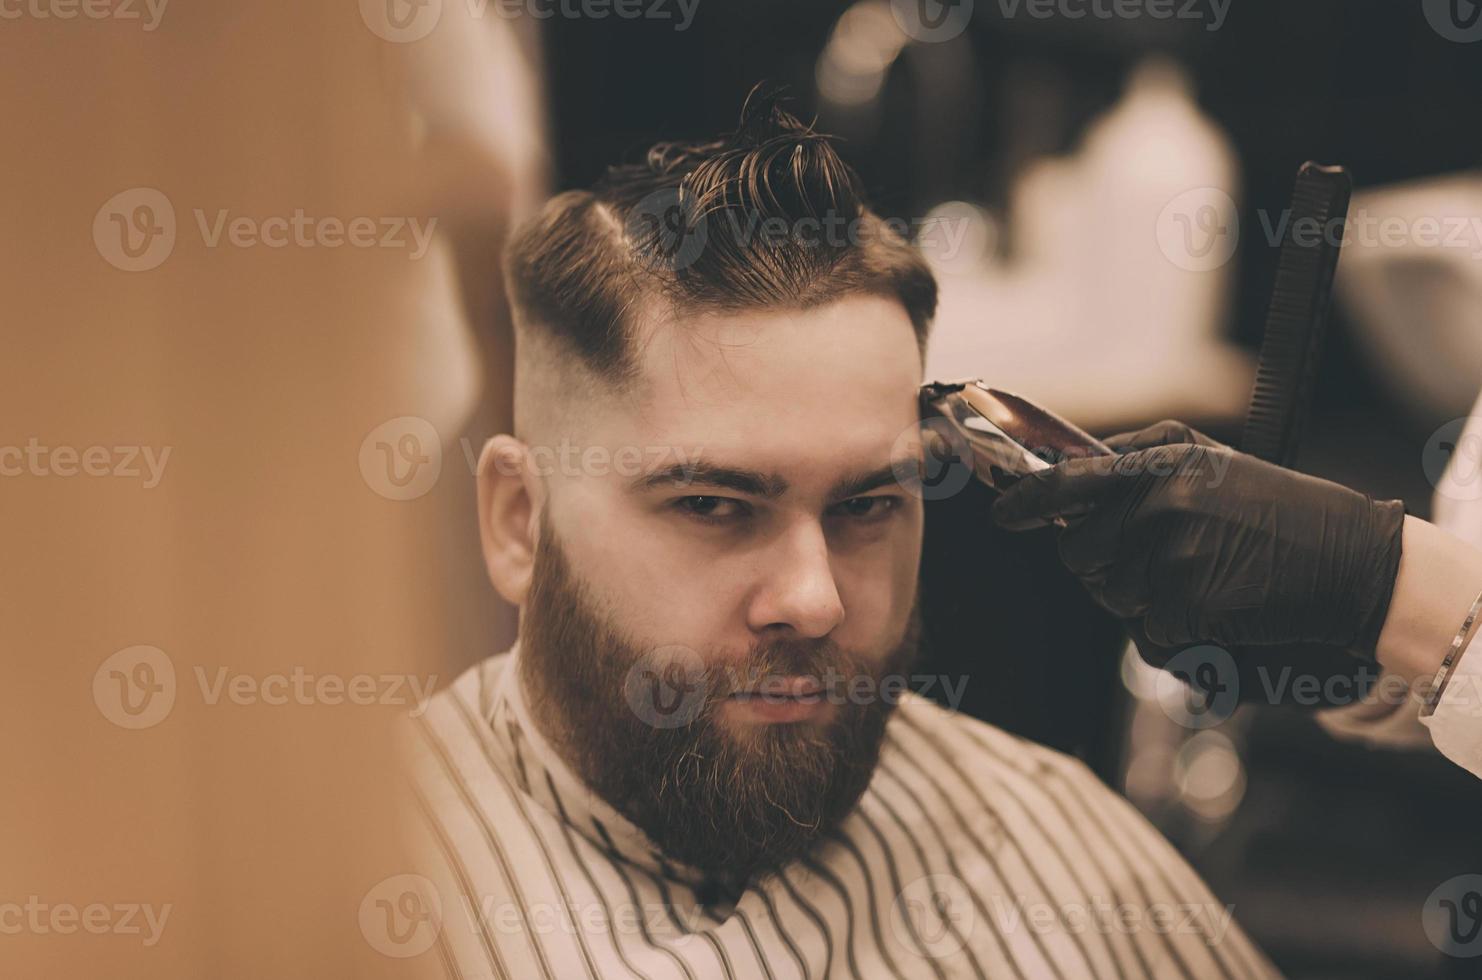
(820,401)
(855,360)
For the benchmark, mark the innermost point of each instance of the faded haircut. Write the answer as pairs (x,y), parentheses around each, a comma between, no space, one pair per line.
(767,217)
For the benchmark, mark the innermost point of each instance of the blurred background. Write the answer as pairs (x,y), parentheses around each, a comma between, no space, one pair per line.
(1101,196)
(1102,199)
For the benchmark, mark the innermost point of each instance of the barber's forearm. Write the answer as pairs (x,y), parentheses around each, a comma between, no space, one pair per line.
(1439,576)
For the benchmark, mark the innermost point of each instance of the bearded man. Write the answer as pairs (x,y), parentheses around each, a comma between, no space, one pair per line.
(700,758)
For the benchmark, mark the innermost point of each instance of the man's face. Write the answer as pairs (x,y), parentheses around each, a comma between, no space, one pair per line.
(745,536)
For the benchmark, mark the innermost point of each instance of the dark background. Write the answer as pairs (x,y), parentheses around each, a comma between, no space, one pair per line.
(1335,847)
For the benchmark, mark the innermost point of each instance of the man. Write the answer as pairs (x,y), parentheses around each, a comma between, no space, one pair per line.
(697,760)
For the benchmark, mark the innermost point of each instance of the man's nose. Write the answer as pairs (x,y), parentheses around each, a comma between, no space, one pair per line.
(798,588)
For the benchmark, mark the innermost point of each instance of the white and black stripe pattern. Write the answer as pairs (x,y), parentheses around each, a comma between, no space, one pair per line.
(968,856)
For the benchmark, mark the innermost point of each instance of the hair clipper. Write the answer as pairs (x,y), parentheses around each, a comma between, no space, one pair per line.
(998,436)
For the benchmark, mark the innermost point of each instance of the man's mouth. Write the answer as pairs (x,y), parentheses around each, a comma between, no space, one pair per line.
(780,699)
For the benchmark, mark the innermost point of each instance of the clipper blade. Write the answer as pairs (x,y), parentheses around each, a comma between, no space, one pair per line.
(1001,436)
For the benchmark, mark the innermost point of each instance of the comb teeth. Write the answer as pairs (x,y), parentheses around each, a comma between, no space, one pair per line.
(1296,318)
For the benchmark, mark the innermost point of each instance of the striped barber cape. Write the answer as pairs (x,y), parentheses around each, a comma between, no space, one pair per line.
(972,853)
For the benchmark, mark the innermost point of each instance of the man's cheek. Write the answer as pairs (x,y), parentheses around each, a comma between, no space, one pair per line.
(668,603)
(876,593)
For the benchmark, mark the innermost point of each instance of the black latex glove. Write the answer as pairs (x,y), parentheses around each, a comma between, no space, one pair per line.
(1192,542)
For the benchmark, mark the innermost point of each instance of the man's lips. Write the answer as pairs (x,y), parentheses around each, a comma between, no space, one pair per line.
(775,700)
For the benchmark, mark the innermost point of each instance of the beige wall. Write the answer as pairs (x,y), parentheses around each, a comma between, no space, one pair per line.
(263,548)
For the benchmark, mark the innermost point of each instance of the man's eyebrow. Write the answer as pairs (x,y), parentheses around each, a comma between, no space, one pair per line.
(751,482)
(862,483)
(768,485)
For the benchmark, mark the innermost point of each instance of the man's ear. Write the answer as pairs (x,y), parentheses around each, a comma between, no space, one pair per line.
(509,508)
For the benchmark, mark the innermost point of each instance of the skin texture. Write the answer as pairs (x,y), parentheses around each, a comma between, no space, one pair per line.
(1439,576)
(816,575)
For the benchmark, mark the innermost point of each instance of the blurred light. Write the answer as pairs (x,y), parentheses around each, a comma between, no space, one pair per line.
(1146,778)
(1210,776)
(864,44)
(1138,676)
(958,237)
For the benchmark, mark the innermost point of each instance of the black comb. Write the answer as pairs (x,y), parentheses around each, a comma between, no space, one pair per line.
(1296,321)
(1291,350)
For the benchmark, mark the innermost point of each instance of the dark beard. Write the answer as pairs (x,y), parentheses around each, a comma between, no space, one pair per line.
(732,805)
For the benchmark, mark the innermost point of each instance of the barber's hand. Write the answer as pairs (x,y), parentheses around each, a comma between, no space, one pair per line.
(1196,543)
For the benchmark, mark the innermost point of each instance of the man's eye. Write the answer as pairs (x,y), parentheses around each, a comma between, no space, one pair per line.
(711,510)
(868,509)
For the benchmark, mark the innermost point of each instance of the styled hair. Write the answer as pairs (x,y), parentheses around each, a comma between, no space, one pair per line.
(766,217)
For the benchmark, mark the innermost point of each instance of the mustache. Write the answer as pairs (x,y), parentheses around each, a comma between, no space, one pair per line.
(766,668)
